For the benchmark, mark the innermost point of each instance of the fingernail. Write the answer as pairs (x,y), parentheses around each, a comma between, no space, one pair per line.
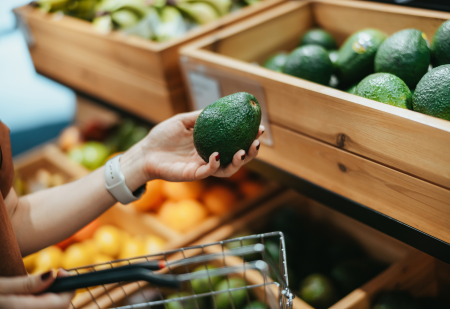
(263,132)
(217,157)
(243,157)
(46,275)
(257,147)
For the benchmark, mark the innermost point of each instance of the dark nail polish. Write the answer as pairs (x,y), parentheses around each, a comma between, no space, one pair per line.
(243,157)
(46,275)
(257,147)
(217,157)
(263,132)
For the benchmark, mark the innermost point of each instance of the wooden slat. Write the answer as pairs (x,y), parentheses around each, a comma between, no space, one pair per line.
(408,141)
(412,201)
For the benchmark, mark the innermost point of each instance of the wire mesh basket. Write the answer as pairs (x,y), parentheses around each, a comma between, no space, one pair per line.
(226,274)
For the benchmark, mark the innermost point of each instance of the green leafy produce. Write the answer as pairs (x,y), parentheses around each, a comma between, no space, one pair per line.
(404,54)
(357,54)
(227,126)
(276,62)
(204,285)
(440,45)
(318,291)
(395,300)
(310,62)
(432,94)
(318,37)
(238,297)
(385,88)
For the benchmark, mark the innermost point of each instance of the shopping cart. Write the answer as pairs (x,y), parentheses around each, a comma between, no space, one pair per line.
(146,281)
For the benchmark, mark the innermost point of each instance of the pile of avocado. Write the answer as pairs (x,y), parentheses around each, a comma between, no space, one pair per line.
(404,300)
(402,70)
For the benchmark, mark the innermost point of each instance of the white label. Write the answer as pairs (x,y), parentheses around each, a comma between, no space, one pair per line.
(205,90)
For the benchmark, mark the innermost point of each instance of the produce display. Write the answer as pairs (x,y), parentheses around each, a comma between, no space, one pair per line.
(371,64)
(181,206)
(95,243)
(323,265)
(158,20)
(42,179)
(404,300)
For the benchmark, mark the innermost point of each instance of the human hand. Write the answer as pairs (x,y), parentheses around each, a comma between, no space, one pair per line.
(19,292)
(168,153)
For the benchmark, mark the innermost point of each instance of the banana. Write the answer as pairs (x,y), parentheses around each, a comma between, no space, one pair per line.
(124,18)
(201,12)
(172,24)
(103,24)
(146,27)
(221,6)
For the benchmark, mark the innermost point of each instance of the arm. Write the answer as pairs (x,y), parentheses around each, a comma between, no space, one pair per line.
(167,152)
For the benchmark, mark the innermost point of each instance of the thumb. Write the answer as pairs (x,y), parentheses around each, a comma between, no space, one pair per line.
(26,284)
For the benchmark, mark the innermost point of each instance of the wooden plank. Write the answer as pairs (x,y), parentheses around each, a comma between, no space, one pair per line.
(408,141)
(412,201)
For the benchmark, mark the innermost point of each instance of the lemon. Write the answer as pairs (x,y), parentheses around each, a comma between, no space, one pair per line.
(76,255)
(153,244)
(47,259)
(30,262)
(108,239)
(131,247)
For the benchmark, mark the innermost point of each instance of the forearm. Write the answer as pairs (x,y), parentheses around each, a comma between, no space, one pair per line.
(50,216)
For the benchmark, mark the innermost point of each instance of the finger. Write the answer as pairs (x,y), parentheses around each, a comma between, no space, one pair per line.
(189,119)
(239,159)
(26,284)
(253,151)
(44,301)
(210,168)
(261,131)
(62,273)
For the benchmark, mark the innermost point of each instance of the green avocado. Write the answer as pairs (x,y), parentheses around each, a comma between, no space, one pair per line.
(318,291)
(256,305)
(227,126)
(318,37)
(357,54)
(404,54)
(204,285)
(185,304)
(334,55)
(352,89)
(385,88)
(440,45)
(432,94)
(238,297)
(276,62)
(310,62)
(395,300)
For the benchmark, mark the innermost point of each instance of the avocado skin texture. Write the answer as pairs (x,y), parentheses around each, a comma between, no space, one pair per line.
(357,54)
(352,89)
(318,37)
(432,94)
(334,54)
(404,54)
(227,126)
(395,300)
(385,88)
(318,291)
(276,62)
(440,45)
(310,62)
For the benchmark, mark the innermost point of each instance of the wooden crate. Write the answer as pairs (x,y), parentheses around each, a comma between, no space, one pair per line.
(135,74)
(390,159)
(376,244)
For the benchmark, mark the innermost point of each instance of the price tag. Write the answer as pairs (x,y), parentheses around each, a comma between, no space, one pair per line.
(205,90)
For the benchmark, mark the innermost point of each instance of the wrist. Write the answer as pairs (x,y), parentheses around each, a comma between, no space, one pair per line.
(132,165)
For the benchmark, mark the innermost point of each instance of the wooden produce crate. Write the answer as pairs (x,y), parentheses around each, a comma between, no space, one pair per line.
(390,159)
(376,244)
(135,74)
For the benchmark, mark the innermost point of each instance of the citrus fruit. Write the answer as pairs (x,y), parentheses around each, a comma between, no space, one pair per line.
(183,215)
(30,262)
(250,188)
(76,255)
(153,244)
(109,239)
(219,200)
(178,191)
(87,231)
(131,247)
(152,198)
(47,259)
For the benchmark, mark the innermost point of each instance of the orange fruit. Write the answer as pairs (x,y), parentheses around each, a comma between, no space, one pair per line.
(76,255)
(108,239)
(47,259)
(152,198)
(131,247)
(251,188)
(87,231)
(178,191)
(65,243)
(219,200)
(182,216)
(153,244)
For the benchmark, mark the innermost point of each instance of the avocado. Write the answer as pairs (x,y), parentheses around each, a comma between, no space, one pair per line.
(404,54)
(227,126)
(385,88)
(356,55)
(238,297)
(256,305)
(395,300)
(440,45)
(318,37)
(204,285)
(185,304)
(432,94)
(318,291)
(352,89)
(276,62)
(333,54)
(310,62)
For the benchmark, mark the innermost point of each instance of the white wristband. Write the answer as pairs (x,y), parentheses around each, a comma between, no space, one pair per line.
(115,182)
